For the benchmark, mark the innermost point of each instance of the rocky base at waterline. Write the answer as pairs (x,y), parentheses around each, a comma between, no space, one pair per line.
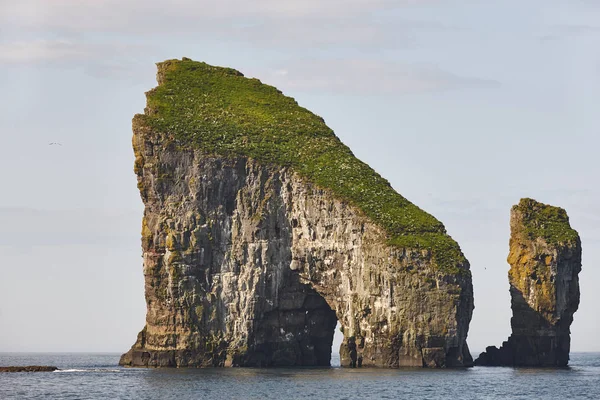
(29,368)
(545,260)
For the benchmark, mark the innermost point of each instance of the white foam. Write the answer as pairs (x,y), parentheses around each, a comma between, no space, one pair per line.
(89,370)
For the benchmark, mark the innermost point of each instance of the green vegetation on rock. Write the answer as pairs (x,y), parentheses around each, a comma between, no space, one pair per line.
(219,111)
(545,221)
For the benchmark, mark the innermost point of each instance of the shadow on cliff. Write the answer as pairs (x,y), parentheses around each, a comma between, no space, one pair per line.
(534,341)
(299,332)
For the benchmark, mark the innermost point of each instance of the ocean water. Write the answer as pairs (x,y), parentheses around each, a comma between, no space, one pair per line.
(97,376)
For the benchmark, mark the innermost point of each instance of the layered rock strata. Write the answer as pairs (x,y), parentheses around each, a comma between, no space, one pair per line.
(545,261)
(248,262)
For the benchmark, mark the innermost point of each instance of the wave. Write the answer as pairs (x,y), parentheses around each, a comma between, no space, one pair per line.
(89,370)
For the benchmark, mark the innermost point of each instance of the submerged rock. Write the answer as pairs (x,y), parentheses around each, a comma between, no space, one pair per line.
(545,261)
(261,231)
(29,368)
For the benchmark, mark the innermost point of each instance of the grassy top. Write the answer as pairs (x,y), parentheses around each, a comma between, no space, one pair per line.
(221,112)
(545,221)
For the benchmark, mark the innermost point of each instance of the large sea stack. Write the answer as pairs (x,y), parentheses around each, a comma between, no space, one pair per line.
(545,261)
(261,231)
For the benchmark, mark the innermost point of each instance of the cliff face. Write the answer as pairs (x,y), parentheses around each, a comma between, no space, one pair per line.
(250,261)
(545,261)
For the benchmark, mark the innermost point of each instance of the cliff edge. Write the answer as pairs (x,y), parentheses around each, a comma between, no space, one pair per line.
(545,261)
(261,231)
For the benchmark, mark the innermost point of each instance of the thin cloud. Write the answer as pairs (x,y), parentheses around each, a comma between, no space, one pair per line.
(41,50)
(99,59)
(321,32)
(265,22)
(560,32)
(361,76)
(65,50)
(108,14)
(295,25)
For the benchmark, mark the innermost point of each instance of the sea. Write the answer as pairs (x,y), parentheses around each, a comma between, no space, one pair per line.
(97,376)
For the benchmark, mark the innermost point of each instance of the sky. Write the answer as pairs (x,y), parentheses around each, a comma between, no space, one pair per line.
(464,106)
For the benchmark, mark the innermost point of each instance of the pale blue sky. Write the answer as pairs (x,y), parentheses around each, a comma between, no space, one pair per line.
(464,106)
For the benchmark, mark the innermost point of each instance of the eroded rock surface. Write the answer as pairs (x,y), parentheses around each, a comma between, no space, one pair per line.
(545,261)
(248,263)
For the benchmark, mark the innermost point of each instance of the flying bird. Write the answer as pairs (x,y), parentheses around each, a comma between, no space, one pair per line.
(54,144)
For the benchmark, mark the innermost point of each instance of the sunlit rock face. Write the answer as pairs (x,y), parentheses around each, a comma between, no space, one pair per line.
(545,261)
(248,263)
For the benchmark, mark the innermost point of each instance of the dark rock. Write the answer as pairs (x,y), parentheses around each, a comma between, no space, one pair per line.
(29,368)
(545,260)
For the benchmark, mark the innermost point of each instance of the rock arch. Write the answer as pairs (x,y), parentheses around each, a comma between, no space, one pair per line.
(251,265)
(247,261)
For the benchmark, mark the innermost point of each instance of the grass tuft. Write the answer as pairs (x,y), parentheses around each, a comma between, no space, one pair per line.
(545,221)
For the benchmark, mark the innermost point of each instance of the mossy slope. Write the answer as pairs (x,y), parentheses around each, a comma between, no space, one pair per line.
(547,222)
(221,112)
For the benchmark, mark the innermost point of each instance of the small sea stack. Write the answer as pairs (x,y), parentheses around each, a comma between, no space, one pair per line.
(29,368)
(545,261)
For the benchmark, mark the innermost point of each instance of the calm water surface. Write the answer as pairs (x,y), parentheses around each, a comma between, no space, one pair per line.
(96,376)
